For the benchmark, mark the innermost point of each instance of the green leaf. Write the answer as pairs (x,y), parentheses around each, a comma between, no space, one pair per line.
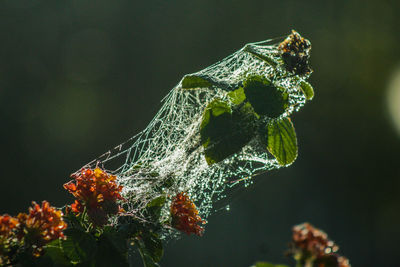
(147,260)
(237,96)
(151,249)
(219,107)
(192,82)
(247,112)
(74,221)
(157,202)
(42,261)
(282,141)
(128,227)
(153,209)
(216,108)
(266,264)
(111,249)
(153,246)
(54,251)
(265,98)
(117,240)
(307,90)
(80,246)
(225,131)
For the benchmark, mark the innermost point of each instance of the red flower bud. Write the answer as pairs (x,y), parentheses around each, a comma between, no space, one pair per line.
(185,215)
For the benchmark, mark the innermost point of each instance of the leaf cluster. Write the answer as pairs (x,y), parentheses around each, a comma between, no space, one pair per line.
(255,109)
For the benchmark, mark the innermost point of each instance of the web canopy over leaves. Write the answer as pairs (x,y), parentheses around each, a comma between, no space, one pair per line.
(225,123)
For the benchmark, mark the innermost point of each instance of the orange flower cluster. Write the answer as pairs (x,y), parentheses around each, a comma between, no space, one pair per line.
(96,191)
(185,215)
(8,225)
(29,231)
(310,243)
(42,225)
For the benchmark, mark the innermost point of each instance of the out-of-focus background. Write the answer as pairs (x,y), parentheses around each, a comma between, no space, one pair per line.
(79,77)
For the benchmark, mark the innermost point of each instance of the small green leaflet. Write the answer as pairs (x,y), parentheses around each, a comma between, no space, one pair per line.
(307,90)
(266,264)
(237,96)
(153,209)
(193,82)
(282,141)
(217,107)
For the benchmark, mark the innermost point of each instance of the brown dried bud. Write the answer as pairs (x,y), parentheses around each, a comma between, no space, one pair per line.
(295,53)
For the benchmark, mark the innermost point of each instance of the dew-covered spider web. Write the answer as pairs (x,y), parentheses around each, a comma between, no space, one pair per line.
(168,156)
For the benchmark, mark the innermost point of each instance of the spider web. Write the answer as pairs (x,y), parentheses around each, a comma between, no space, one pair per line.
(167,157)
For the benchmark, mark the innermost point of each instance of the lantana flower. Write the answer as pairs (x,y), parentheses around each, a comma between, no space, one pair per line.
(185,216)
(8,225)
(42,225)
(98,192)
(311,245)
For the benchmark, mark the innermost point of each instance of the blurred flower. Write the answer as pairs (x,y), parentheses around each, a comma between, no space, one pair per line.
(312,240)
(311,247)
(333,260)
(7,224)
(97,191)
(42,225)
(7,235)
(185,215)
(343,261)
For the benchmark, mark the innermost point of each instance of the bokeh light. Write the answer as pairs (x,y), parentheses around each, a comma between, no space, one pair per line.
(393,99)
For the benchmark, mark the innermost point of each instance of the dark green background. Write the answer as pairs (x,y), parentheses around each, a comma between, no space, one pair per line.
(78,77)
